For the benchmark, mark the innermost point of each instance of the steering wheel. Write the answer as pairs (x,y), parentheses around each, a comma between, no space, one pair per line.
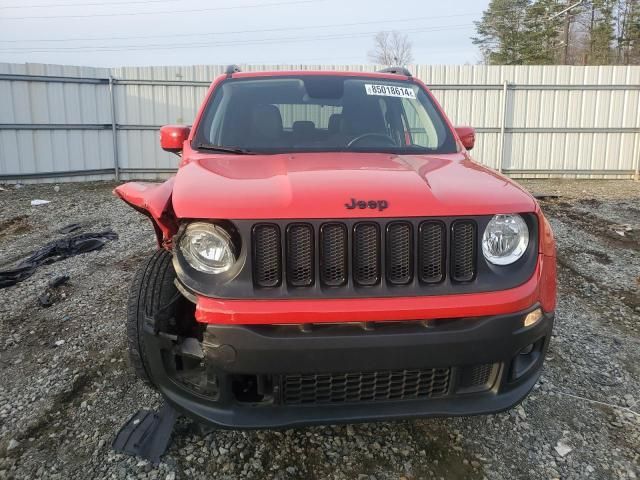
(382,136)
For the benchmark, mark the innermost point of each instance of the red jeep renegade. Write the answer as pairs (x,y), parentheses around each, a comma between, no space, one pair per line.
(329,252)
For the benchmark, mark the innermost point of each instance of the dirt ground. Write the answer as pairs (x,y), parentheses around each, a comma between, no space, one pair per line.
(65,387)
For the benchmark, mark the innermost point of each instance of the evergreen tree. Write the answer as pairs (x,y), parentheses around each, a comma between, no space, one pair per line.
(601,33)
(628,41)
(542,42)
(530,32)
(501,32)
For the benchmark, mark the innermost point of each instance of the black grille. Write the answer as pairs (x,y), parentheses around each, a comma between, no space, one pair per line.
(300,255)
(365,386)
(267,256)
(399,253)
(432,251)
(352,254)
(366,254)
(333,254)
(463,255)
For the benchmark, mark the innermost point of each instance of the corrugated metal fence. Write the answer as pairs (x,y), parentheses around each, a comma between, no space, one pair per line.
(78,123)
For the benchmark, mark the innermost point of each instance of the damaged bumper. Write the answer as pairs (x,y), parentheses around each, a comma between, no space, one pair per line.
(258,376)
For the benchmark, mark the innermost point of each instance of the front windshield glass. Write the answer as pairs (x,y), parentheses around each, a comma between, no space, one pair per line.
(323,113)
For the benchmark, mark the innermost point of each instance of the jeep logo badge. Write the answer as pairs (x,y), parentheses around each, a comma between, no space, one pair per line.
(372,204)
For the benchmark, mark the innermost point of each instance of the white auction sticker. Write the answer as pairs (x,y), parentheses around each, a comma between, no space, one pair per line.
(389,91)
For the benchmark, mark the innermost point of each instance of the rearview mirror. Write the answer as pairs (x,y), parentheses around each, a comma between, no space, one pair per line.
(172,137)
(467,136)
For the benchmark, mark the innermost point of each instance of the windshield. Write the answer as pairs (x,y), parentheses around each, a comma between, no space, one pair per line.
(323,113)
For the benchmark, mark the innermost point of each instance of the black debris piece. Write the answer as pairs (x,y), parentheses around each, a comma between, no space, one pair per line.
(147,434)
(45,299)
(72,227)
(58,281)
(51,294)
(54,252)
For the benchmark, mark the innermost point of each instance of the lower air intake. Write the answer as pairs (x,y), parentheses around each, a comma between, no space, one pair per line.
(323,388)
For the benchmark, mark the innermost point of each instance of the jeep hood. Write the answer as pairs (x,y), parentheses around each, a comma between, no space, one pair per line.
(318,185)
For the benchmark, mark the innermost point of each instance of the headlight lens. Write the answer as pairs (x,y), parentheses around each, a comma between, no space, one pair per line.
(208,248)
(505,239)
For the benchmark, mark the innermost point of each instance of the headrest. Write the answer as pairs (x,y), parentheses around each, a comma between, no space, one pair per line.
(266,122)
(303,127)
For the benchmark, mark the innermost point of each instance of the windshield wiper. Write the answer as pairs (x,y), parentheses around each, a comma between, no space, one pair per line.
(221,148)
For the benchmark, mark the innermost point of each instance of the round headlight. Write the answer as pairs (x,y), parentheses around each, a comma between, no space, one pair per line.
(208,248)
(505,239)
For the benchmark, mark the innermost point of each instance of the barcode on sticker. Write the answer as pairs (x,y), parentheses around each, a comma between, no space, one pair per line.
(389,91)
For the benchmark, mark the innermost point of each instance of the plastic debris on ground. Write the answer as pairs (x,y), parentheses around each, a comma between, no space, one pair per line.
(562,449)
(72,227)
(35,203)
(58,281)
(54,252)
(51,295)
(621,230)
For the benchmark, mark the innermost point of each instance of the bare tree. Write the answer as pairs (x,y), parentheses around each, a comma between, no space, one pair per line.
(391,48)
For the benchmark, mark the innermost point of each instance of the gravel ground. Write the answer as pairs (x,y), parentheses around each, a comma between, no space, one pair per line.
(65,387)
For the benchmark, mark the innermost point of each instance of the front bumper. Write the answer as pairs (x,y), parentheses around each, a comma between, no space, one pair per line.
(282,376)
(540,288)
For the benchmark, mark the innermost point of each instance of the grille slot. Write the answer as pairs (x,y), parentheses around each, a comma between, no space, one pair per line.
(300,255)
(463,255)
(267,255)
(392,385)
(432,251)
(399,253)
(366,254)
(333,254)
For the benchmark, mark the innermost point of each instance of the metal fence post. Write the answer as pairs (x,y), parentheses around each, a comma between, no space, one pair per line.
(114,132)
(503,122)
(636,175)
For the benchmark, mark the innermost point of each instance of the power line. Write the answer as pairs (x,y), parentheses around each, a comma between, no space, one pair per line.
(102,4)
(259,41)
(162,12)
(262,30)
(333,36)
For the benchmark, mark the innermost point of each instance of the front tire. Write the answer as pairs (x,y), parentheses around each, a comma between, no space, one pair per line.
(152,288)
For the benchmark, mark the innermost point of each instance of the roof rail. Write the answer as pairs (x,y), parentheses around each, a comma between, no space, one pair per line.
(231,69)
(396,71)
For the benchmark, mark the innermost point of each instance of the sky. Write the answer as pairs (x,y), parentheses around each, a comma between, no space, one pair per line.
(111,33)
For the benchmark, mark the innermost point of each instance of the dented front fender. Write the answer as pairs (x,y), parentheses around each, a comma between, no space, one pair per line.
(154,201)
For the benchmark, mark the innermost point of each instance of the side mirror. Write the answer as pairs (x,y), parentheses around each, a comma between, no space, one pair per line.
(467,136)
(172,137)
